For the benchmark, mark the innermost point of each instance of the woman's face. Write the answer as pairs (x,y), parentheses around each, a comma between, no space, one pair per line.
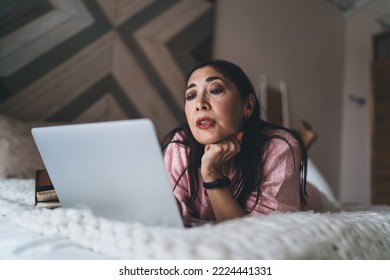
(213,106)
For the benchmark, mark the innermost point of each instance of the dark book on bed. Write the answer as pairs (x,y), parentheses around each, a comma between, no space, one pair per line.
(45,194)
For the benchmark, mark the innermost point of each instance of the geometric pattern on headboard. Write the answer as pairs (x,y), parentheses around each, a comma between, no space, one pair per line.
(94,60)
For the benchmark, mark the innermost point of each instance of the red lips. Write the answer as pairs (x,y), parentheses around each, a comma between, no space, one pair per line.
(204,123)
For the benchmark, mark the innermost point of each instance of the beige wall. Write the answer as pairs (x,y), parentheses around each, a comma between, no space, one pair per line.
(356,142)
(301,42)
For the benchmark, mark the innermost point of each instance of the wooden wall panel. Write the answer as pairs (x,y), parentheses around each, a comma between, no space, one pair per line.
(71,58)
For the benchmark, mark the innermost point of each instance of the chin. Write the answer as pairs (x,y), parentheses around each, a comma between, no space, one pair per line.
(204,140)
(205,137)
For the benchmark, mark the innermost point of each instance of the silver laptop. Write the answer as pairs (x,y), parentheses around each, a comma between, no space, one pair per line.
(114,168)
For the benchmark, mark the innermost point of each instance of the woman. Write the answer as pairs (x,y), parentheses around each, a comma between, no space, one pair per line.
(226,162)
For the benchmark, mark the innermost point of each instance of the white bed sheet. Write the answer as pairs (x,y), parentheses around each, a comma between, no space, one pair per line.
(19,243)
(360,232)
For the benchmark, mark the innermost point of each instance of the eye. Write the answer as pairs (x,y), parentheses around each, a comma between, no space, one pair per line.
(216,90)
(190,96)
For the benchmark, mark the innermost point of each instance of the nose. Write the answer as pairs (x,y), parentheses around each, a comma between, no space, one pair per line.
(202,103)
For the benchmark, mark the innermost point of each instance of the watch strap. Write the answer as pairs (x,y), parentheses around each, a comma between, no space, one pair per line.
(219,183)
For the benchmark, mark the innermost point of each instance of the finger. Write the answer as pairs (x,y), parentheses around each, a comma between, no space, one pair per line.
(229,147)
(220,151)
(239,136)
(235,141)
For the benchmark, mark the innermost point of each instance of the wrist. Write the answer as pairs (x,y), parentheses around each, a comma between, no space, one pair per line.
(222,182)
(209,175)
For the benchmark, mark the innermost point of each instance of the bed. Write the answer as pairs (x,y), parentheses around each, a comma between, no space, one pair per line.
(346,232)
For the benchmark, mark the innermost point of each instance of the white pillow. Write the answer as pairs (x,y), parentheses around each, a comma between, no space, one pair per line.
(19,157)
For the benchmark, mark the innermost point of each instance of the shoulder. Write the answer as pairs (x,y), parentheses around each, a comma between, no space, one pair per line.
(176,157)
(177,141)
(178,135)
(177,148)
(282,143)
(280,138)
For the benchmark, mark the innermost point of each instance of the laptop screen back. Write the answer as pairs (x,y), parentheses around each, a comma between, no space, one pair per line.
(114,168)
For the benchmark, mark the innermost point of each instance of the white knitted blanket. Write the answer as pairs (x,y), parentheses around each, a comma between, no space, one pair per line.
(361,232)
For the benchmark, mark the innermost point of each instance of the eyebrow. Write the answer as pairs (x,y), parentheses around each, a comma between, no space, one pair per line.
(209,79)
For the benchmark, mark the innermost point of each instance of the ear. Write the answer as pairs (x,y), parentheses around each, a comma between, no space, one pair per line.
(249,105)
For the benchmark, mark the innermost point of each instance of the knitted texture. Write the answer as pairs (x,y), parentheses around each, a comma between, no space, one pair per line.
(356,232)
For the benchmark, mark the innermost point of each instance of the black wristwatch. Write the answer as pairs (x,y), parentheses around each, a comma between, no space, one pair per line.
(220,183)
